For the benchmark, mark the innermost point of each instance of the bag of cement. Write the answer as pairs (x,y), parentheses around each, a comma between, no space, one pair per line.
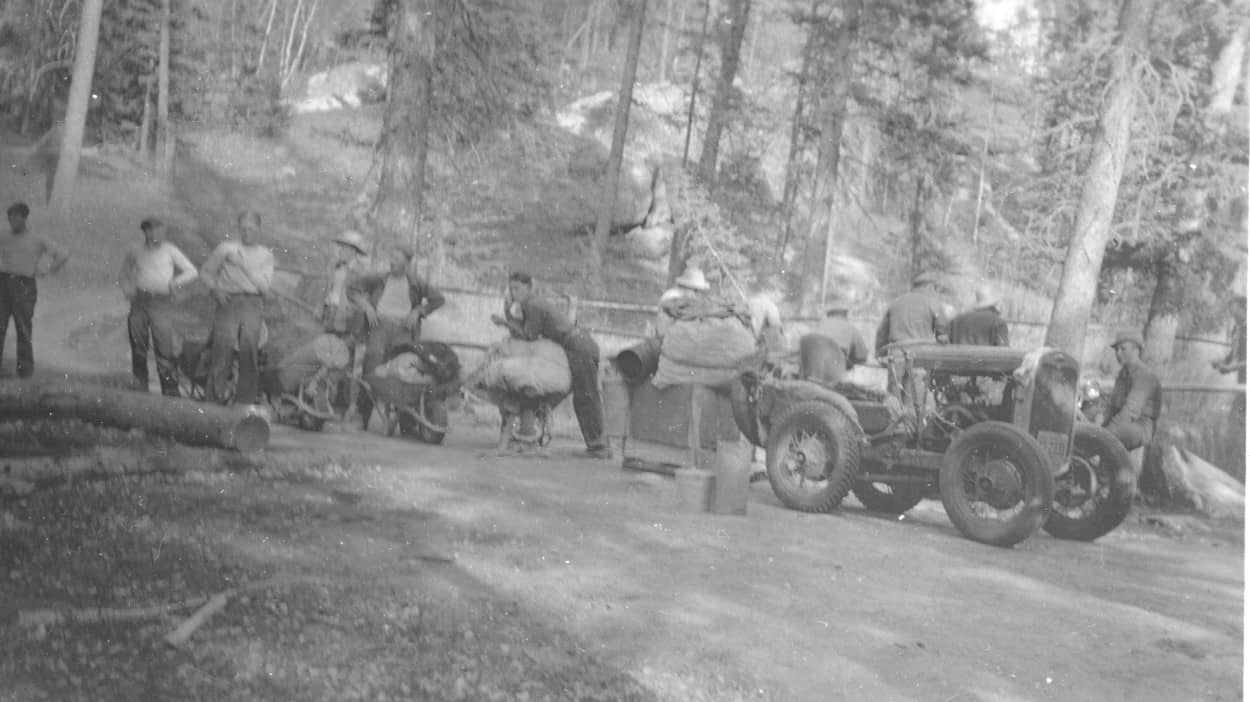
(530,368)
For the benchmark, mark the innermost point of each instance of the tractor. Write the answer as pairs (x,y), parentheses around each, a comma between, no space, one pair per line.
(991,431)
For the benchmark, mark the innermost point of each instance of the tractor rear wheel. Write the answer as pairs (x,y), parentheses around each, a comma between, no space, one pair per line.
(996,483)
(812,456)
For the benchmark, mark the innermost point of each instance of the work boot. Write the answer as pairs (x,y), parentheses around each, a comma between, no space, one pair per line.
(600,452)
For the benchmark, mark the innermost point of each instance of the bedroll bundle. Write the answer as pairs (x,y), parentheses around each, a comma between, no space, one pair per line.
(529,368)
(703,351)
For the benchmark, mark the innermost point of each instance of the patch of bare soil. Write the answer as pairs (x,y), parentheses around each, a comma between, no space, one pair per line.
(334,599)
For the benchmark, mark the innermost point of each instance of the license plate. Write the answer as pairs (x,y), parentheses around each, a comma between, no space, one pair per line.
(1055,445)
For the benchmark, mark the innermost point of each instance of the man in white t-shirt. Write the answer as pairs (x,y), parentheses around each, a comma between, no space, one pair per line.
(239,273)
(151,274)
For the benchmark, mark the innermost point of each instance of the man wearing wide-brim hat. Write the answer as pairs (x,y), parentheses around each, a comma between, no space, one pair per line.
(690,285)
(983,325)
(1137,399)
(351,255)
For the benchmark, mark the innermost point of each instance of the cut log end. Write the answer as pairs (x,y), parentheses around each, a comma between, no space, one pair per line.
(251,434)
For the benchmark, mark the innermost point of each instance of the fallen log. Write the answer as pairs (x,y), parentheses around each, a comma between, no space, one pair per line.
(184,420)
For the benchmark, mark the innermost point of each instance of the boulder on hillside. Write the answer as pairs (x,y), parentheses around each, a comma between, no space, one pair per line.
(634,193)
(347,85)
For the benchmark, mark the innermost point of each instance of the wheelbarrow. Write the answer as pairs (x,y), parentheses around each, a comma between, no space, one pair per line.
(415,404)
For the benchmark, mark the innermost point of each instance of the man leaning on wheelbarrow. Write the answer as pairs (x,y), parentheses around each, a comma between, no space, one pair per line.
(385,304)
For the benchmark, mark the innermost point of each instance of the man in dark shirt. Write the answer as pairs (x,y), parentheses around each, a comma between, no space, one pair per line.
(915,317)
(1137,398)
(541,320)
(983,325)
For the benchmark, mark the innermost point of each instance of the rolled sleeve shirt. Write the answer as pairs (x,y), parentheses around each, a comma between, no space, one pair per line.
(237,269)
(155,270)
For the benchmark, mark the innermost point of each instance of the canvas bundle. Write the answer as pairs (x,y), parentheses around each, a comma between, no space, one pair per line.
(529,368)
(703,351)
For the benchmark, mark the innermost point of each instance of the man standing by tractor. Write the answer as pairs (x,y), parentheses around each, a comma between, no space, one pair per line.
(22,257)
(239,275)
(151,275)
(393,302)
(915,317)
(541,320)
(1137,399)
(983,325)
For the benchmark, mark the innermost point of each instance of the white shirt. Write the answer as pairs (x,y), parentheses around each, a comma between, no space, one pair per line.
(155,269)
(224,269)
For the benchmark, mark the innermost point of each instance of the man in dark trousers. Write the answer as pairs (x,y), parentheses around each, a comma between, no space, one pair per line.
(23,257)
(1137,399)
(983,325)
(541,320)
(239,274)
(151,274)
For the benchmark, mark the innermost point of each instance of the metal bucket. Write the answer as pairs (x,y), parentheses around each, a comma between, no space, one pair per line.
(639,362)
(694,490)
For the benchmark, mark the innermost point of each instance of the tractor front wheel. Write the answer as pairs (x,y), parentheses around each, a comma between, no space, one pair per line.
(996,483)
(1094,493)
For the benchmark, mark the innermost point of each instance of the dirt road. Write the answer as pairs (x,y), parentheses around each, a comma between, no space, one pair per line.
(786,606)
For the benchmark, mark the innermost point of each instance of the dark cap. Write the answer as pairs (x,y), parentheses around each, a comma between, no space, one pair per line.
(1129,336)
(20,209)
(520,277)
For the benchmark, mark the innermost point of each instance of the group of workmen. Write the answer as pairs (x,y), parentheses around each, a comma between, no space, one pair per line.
(376,304)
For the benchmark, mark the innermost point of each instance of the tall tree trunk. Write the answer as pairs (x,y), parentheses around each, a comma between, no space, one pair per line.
(1165,312)
(731,51)
(235,69)
(144,146)
(1078,286)
(833,101)
(164,136)
(666,40)
(612,181)
(790,192)
(76,108)
(404,147)
(694,81)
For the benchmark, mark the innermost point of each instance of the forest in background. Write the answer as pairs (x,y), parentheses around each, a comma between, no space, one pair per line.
(907,134)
